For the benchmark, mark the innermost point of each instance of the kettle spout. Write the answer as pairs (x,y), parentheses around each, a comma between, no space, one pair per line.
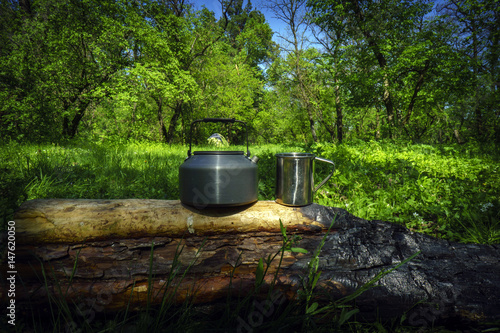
(254,159)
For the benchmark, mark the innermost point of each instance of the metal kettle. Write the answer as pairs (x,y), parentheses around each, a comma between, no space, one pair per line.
(218,178)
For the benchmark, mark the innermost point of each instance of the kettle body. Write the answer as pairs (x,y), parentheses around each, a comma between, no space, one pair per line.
(212,178)
(218,178)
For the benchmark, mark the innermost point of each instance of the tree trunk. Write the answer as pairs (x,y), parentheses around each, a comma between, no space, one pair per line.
(377,124)
(330,128)
(161,123)
(70,128)
(311,123)
(416,90)
(477,85)
(338,108)
(101,252)
(456,134)
(305,97)
(173,122)
(372,43)
(26,7)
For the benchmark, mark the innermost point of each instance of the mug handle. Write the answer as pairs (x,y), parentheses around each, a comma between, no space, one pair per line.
(328,177)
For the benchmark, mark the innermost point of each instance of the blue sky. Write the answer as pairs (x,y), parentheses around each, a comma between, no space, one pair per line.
(215,6)
(276,25)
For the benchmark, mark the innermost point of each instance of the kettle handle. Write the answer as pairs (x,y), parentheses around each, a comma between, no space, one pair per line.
(216,120)
(327,177)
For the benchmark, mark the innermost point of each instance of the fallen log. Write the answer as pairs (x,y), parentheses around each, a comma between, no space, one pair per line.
(115,254)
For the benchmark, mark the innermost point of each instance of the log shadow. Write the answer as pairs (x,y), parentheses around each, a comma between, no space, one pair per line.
(218,211)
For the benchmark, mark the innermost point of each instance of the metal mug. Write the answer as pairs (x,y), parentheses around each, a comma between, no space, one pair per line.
(295,178)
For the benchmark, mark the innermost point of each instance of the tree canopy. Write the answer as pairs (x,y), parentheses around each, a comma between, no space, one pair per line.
(144,70)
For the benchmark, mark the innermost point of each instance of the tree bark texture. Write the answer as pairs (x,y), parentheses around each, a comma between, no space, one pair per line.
(103,251)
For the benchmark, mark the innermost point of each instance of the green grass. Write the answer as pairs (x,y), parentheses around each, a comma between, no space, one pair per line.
(445,191)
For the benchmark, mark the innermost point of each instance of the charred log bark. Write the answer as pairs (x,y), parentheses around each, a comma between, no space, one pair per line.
(104,250)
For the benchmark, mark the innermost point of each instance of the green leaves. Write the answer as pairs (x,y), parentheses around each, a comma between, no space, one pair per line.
(298,250)
(288,243)
(259,273)
(69,57)
(399,69)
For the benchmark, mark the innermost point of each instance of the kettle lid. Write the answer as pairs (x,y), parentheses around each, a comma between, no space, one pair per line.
(219,152)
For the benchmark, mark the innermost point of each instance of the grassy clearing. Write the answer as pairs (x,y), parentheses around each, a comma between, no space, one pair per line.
(445,191)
